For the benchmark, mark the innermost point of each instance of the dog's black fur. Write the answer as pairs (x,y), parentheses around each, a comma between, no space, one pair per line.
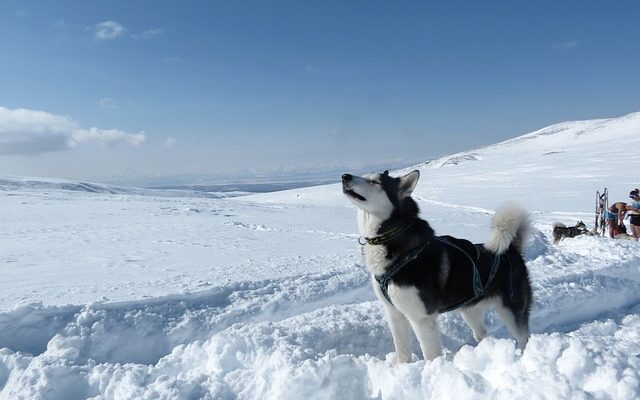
(560,231)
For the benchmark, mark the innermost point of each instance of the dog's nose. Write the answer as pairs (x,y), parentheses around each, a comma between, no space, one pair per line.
(347,177)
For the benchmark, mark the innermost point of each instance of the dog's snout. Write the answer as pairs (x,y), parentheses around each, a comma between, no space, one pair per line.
(347,177)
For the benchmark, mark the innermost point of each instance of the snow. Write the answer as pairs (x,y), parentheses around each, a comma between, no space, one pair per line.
(118,293)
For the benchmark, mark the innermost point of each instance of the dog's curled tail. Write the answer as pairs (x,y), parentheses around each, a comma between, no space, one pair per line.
(558,225)
(510,226)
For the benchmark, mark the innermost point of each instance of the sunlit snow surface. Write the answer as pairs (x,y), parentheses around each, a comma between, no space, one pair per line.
(112,293)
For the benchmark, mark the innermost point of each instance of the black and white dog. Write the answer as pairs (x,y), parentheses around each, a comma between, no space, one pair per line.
(418,275)
(561,231)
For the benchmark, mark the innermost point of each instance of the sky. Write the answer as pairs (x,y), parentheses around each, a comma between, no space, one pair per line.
(150,92)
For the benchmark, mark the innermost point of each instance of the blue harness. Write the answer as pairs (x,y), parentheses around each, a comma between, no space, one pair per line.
(479,289)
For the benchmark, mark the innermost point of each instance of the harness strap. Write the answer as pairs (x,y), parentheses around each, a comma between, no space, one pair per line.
(384,279)
(479,289)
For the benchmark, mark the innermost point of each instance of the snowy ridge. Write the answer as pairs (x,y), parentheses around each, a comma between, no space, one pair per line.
(557,168)
(558,139)
(22,184)
(151,328)
(265,297)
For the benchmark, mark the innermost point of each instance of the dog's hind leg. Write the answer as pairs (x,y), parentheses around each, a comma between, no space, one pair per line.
(401,333)
(516,322)
(474,317)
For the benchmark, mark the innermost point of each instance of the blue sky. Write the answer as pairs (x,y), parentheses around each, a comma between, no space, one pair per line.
(141,91)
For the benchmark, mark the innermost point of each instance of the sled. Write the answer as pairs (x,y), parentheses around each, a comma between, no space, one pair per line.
(602,205)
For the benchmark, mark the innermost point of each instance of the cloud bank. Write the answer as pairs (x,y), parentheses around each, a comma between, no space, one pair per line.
(32,132)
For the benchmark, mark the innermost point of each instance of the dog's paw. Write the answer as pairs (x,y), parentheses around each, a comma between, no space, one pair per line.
(398,358)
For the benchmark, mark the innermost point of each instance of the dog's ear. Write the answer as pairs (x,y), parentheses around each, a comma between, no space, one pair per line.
(408,183)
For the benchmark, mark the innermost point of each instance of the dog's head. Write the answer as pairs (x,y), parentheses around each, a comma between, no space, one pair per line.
(581,226)
(380,194)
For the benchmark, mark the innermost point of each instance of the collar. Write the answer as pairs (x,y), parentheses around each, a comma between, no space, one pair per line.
(386,236)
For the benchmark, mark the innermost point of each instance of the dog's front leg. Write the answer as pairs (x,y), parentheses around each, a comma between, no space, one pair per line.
(424,325)
(428,333)
(401,332)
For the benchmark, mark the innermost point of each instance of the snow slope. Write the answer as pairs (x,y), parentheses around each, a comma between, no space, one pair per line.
(121,294)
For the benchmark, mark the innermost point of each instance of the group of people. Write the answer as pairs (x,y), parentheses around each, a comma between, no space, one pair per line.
(619,210)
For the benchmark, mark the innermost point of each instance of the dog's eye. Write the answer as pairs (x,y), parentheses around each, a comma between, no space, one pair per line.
(375,182)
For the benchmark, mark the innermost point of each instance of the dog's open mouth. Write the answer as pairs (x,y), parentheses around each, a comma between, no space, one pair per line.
(349,192)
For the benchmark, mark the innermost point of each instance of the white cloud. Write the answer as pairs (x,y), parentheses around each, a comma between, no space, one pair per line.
(170,142)
(172,60)
(60,24)
(150,34)
(108,30)
(568,45)
(311,69)
(107,103)
(31,132)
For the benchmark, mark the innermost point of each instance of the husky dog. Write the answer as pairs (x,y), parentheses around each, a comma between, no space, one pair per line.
(418,275)
(561,231)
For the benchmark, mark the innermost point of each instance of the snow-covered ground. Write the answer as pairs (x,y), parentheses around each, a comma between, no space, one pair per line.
(112,293)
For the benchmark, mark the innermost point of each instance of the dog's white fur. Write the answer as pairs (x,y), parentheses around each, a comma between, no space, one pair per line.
(509,223)
(409,314)
(373,212)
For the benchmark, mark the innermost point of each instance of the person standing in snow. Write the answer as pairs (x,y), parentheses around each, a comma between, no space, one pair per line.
(634,213)
(615,217)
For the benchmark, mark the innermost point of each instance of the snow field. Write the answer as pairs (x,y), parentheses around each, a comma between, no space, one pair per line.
(324,336)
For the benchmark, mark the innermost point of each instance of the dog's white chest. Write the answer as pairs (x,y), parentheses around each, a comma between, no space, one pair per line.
(375,258)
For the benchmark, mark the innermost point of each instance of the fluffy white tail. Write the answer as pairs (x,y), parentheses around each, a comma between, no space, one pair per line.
(510,226)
